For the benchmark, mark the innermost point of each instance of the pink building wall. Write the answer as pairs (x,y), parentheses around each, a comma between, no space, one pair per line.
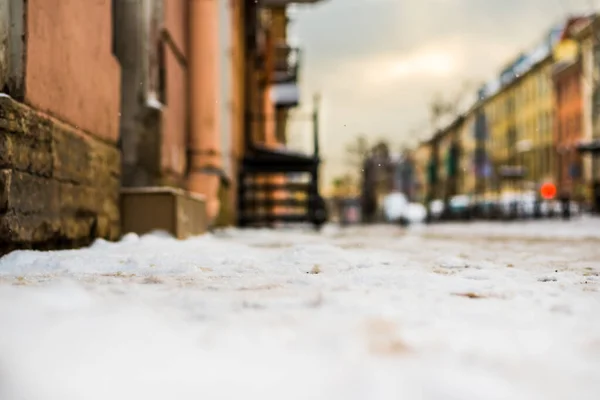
(70,70)
(175,113)
(204,138)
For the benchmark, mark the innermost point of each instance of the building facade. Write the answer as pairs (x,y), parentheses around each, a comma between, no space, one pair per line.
(569,116)
(534,119)
(519,109)
(568,126)
(506,141)
(59,157)
(421,156)
(435,182)
(451,150)
(585,35)
(467,174)
(482,162)
(107,98)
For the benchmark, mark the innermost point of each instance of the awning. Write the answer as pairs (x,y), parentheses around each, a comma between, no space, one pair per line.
(592,146)
(285,95)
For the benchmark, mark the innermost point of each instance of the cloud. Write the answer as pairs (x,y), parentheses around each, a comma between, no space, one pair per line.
(379,62)
(428,62)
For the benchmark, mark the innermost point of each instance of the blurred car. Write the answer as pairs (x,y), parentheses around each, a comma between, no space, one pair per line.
(436,209)
(394,205)
(397,209)
(460,207)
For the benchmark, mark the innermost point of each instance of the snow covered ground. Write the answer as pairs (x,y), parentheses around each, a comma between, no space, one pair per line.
(471,312)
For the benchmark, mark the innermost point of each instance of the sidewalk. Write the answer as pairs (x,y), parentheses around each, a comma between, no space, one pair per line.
(358,313)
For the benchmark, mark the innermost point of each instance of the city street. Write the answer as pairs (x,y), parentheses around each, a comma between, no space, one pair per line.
(450,311)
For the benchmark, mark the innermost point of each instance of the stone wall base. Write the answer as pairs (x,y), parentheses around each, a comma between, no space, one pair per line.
(59,187)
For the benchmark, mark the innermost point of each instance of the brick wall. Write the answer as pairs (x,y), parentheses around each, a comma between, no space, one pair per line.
(58,186)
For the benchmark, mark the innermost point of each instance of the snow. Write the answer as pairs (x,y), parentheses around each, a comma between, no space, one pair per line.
(470,312)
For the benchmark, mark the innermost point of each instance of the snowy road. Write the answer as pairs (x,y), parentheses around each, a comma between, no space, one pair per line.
(469,312)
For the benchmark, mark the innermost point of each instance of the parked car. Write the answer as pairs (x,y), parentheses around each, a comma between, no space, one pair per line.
(436,209)
(460,208)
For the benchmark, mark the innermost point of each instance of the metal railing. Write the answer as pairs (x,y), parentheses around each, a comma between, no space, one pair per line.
(286,64)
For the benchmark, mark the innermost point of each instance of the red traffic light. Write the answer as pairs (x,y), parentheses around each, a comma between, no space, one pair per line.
(548,191)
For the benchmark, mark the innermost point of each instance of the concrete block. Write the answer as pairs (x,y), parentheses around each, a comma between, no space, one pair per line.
(162,208)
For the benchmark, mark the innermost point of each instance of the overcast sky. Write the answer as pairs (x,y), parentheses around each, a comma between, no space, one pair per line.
(377,63)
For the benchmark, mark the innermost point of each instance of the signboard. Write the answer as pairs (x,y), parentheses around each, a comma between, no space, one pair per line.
(548,191)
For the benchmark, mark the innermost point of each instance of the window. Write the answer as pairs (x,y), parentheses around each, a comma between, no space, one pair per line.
(162,72)
(113,19)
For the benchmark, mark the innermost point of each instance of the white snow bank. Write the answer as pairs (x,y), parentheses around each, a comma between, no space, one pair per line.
(350,314)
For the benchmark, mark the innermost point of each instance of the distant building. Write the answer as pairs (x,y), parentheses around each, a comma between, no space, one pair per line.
(59,124)
(443,164)
(420,161)
(379,172)
(586,34)
(518,109)
(569,125)
(404,176)
(466,171)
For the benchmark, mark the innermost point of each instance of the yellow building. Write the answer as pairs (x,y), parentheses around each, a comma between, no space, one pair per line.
(467,144)
(534,121)
(520,129)
(493,112)
(503,136)
(434,168)
(421,159)
(519,110)
(448,148)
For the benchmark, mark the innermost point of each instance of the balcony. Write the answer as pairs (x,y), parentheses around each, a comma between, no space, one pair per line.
(286,64)
(285,95)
